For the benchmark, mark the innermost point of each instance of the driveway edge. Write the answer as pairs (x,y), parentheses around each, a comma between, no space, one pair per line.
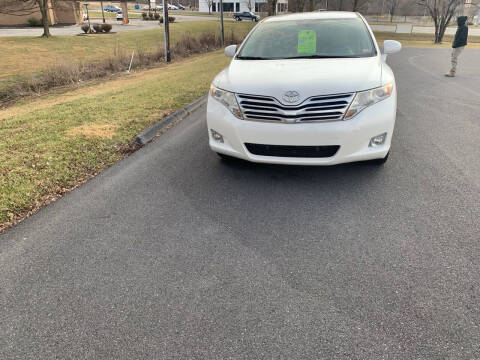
(149,133)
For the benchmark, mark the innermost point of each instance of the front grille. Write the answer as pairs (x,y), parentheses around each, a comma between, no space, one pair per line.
(315,108)
(292,151)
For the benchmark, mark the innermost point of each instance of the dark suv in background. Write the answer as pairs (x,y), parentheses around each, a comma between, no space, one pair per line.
(246,15)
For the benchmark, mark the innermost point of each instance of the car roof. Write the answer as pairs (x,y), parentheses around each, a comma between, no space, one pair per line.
(320,15)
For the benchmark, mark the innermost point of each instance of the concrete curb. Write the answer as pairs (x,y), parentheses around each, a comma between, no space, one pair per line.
(149,133)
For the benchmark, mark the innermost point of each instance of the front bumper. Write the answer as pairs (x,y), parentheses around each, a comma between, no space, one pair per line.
(353,136)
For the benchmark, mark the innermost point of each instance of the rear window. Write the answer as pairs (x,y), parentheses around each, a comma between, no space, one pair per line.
(312,38)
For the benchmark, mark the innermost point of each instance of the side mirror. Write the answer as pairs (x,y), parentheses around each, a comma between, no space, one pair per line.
(230,50)
(391,47)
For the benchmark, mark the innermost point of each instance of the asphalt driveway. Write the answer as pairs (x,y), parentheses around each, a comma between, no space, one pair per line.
(174,254)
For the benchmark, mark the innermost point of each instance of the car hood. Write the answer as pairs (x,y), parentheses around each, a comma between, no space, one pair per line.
(308,77)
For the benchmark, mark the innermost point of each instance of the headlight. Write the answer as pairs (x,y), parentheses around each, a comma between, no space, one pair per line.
(367,98)
(228,99)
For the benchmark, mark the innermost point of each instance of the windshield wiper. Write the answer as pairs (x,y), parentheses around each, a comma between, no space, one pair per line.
(321,57)
(251,58)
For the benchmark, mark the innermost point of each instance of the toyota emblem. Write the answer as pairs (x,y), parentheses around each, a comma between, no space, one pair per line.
(291,97)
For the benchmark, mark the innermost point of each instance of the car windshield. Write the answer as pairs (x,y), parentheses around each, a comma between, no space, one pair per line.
(312,38)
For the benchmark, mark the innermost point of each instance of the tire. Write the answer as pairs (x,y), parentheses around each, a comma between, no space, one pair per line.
(379,162)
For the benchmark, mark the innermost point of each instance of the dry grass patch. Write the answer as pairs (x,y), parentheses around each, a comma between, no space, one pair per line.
(106,131)
(69,74)
(24,55)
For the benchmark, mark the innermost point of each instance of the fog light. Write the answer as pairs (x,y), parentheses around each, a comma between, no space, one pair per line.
(216,136)
(378,140)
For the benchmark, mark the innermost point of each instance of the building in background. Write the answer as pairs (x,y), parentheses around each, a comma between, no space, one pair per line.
(241,5)
(17,13)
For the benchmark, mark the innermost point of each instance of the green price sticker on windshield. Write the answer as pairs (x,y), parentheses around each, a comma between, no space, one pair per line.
(307,42)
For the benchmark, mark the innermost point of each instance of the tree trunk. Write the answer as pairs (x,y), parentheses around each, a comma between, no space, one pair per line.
(272,5)
(439,33)
(43,5)
(311,5)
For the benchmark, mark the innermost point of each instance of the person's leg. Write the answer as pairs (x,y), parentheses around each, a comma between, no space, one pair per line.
(455,54)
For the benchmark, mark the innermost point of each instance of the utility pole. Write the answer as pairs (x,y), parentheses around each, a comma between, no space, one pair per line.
(88,18)
(103,14)
(221,23)
(166,31)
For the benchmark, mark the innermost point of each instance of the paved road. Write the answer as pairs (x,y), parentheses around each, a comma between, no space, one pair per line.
(174,254)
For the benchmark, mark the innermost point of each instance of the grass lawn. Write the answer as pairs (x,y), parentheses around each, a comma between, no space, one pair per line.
(49,145)
(23,55)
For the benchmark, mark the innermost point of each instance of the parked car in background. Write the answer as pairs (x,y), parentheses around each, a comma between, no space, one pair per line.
(180,7)
(172,7)
(112,8)
(119,16)
(246,15)
(305,89)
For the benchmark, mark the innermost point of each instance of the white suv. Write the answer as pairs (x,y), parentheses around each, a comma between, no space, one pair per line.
(305,89)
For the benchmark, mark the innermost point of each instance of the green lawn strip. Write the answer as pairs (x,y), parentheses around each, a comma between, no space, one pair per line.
(41,156)
(24,55)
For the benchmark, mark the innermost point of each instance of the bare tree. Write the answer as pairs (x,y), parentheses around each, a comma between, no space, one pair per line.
(473,9)
(27,7)
(43,5)
(441,12)
(297,5)
(358,5)
(209,4)
(251,5)
(272,7)
(392,6)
